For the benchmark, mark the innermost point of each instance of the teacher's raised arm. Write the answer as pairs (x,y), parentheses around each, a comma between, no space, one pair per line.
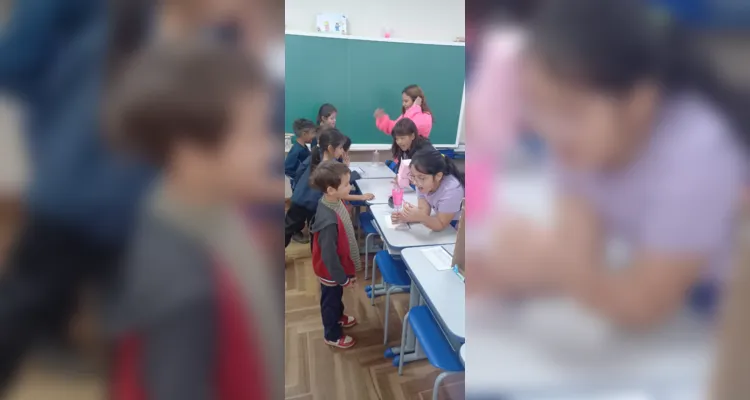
(413,106)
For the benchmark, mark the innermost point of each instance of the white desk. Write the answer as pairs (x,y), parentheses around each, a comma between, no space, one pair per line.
(370,171)
(417,236)
(443,290)
(450,248)
(521,358)
(382,189)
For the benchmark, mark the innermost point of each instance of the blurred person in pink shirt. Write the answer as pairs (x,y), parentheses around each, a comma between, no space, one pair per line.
(413,106)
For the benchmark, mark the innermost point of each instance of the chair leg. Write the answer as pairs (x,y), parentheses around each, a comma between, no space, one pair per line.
(387,312)
(367,253)
(372,286)
(403,343)
(438,381)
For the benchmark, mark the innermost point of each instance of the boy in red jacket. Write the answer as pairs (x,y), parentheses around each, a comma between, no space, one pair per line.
(190,316)
(335,253)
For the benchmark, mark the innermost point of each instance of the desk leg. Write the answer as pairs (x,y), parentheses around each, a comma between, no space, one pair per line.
(380,290)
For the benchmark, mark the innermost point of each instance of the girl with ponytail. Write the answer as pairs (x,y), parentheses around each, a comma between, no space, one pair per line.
(440,188)
(305,198)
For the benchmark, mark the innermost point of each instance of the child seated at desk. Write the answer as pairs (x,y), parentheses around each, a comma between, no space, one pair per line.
(354,174)
(406,142)
(304,130)
(335,252)
(326,119)
(305,197)
(440,188)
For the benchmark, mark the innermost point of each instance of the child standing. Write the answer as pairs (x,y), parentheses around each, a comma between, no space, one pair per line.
(183,324)
(413,106)
(326,119)
(304,129)
(335,252)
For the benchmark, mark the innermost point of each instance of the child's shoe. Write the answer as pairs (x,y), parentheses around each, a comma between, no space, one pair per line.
(344,342)
(347,321)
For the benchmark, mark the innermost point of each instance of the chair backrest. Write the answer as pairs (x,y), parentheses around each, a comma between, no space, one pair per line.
(458,252)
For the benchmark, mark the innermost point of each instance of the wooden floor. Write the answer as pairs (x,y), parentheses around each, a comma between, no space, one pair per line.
(315,371)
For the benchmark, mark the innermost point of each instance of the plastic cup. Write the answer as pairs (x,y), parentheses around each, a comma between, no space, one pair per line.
(398,197)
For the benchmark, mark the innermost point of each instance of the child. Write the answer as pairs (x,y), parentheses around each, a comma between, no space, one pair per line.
(304,129)
(184,325)
(413,106)
(326,119)
(305,198)
(647,142)
(406,141)
(440,188)
(335,253)
(345,157)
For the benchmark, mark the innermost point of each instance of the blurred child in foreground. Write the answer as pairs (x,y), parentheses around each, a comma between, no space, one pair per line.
(646,141)
(186,311)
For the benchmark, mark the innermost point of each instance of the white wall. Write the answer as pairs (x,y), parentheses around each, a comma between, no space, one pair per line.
(434,20)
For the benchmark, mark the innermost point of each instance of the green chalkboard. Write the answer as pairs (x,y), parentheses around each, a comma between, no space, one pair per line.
(358,76)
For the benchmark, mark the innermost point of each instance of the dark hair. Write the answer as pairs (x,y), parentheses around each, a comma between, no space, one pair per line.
(328,174)
(414,91)
(406,127)
(613,45)
(301,125)
(325,111)
(128,31)
(481,11)
(179,92)
(328,137)
(430,161)
(347,143)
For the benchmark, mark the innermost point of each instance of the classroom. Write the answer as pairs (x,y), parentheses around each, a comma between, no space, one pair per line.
(407,292)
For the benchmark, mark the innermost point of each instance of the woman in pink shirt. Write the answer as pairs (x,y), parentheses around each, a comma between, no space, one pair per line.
(414,106)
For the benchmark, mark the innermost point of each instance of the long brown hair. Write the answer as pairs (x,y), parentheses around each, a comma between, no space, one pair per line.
(414,91)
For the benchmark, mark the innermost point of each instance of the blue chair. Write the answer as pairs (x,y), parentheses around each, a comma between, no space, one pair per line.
(435,345)
(366,225)
(394,277)
(392,165)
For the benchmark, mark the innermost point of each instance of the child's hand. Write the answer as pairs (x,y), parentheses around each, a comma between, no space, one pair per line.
(368,196)
(347,161)
(353,283)
(379,113)
(411,213)
(397,218)
(418,102)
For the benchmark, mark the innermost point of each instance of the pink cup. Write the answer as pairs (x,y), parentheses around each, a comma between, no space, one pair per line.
(398,197)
